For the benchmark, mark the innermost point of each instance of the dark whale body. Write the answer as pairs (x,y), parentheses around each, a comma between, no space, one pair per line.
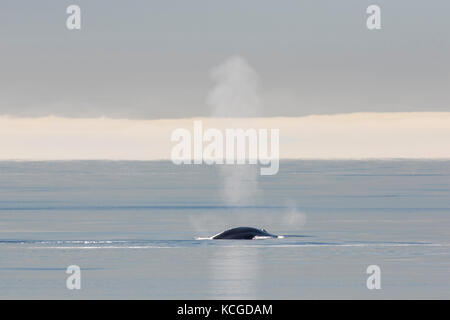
(243,233)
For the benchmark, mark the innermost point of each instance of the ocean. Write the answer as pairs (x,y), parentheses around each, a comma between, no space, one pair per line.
(131,227)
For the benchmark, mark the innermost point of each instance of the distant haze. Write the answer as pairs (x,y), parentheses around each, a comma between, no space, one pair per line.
(344,136)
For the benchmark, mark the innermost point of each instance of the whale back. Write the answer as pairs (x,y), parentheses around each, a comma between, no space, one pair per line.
(244,233)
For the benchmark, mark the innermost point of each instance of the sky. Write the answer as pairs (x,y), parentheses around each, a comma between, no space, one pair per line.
(154,59)
(139,69)
(345,136)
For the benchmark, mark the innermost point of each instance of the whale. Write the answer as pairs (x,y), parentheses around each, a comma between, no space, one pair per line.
(243,233)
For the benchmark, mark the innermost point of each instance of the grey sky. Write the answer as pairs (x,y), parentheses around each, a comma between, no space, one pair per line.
(152,59)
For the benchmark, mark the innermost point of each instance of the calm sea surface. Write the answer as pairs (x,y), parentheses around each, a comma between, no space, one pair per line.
(132,229)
